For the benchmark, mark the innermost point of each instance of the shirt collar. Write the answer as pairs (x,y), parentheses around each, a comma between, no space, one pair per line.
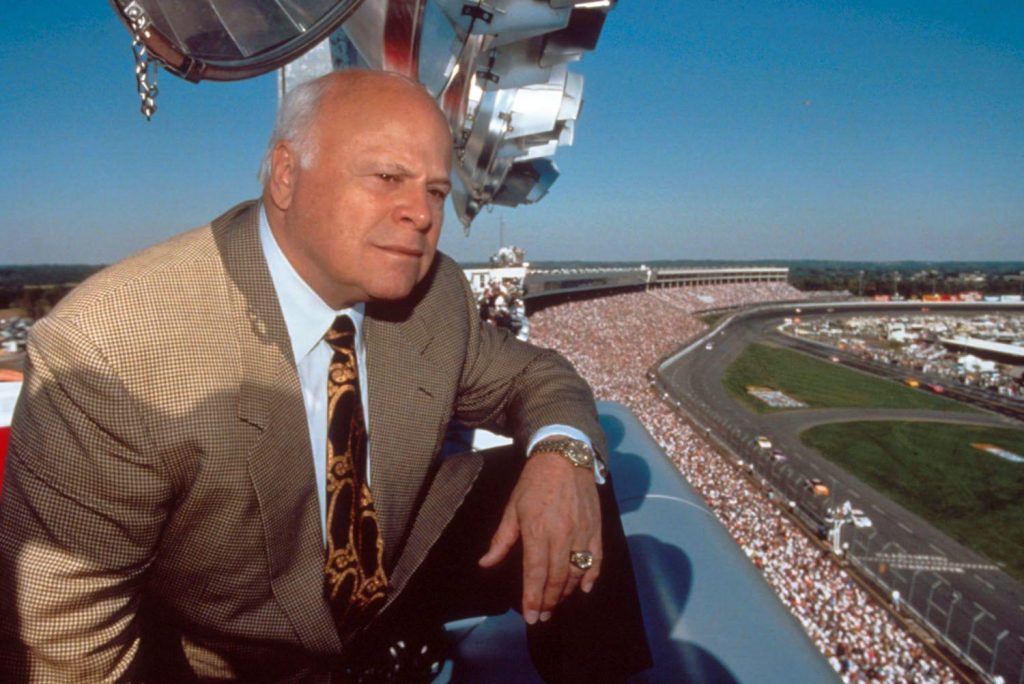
(306,316)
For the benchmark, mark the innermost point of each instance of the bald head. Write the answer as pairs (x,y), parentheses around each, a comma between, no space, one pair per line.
(301,106)
(355,182)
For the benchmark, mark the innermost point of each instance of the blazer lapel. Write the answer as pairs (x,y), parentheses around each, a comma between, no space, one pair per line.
(449,486)
(280,461)
(407,421)
(415,494)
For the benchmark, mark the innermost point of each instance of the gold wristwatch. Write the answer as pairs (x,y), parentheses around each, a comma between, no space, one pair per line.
(577,452)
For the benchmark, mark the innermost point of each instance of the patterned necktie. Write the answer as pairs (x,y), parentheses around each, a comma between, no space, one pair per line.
(356,584)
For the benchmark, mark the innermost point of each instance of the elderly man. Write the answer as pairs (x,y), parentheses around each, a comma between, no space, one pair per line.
(226,460)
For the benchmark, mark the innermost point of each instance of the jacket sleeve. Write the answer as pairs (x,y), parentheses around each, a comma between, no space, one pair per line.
(515,388)
(80,514)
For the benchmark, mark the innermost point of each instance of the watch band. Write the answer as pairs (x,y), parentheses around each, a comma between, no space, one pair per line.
(575,451)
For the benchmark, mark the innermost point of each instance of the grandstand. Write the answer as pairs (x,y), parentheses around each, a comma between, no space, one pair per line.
(613,335)
(719,276)
(613,340)
(544,287)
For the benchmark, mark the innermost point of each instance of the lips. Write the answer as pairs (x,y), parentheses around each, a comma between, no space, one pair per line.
(402,250)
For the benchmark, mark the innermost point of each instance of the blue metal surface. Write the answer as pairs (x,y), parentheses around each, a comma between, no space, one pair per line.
(709,615)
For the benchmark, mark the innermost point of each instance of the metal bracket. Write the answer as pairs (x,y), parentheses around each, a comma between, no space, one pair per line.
(145,69)
(477,12)
(137,15)
(507,118)
(486,73)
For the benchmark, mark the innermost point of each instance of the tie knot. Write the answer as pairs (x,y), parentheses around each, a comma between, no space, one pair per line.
(342,333)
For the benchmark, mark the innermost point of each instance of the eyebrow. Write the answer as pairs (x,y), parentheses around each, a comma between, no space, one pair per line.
(399,169)
(396,169)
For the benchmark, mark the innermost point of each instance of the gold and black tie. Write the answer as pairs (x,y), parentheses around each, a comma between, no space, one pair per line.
(356,583)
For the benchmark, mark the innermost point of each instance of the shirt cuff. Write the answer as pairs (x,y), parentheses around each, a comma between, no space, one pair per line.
(556,430)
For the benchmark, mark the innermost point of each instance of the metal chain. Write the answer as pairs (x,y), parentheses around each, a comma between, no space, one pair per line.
(145,69)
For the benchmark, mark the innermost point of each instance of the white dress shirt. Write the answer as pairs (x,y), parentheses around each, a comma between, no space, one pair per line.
(307,318)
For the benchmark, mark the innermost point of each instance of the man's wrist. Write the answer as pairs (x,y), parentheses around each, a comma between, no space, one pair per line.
(566,431)
(576,451)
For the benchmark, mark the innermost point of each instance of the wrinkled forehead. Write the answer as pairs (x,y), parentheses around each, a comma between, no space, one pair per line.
(380,105)
(381,94)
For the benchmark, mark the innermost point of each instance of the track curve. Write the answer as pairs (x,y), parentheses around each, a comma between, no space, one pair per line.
(947,583)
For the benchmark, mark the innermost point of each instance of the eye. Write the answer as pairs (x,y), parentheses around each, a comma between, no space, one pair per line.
(387,177)
(438,193)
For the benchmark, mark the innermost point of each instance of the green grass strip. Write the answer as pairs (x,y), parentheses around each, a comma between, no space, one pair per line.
(932,469)
(712,318)
(821,384)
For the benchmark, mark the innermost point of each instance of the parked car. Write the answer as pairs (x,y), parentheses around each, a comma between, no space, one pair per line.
(816,487)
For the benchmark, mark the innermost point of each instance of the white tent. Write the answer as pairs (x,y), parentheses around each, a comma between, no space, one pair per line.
(972,364)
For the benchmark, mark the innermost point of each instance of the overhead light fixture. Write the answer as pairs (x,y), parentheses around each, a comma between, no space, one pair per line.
(500,70)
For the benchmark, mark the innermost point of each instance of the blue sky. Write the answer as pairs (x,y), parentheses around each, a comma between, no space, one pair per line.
(710,130)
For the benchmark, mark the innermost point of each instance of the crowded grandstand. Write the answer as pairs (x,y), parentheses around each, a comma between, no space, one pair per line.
(613,341)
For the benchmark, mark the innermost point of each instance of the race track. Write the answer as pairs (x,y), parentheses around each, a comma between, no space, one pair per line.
(962,594)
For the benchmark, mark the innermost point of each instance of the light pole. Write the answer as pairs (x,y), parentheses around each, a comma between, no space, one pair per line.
(913,580)
(974,623)
(928,606)
(995,650)
(949,615)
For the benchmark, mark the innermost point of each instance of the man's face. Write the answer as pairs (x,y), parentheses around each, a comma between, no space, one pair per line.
(363,219)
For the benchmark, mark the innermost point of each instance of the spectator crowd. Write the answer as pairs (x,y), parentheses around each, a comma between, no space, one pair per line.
(705,297)
(613,341)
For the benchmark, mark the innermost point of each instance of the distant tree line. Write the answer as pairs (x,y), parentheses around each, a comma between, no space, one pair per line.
(909,279)
(867,278)
(38,288)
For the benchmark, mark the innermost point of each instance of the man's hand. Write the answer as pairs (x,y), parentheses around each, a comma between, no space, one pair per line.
(555,508)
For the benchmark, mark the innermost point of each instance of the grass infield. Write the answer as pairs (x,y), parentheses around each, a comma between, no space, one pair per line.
(931,469)
(820,384)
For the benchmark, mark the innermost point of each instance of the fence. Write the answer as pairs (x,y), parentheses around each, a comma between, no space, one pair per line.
(991,646)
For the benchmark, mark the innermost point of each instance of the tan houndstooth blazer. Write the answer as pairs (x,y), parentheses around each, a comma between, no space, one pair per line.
(159,518)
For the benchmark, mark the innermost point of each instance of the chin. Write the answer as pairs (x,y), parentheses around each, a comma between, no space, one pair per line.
(390,280)
(392,291)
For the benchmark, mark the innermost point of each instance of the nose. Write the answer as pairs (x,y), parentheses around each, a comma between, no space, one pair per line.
(413,208)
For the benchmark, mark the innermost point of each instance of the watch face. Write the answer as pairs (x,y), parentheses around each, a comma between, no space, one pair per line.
(579,455)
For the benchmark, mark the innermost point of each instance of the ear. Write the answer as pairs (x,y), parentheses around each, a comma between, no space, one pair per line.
(284,166)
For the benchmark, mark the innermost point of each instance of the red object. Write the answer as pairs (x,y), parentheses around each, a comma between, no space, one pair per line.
(402,27)
(5,436)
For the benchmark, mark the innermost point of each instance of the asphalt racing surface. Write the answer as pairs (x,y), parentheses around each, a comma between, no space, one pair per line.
(962,594)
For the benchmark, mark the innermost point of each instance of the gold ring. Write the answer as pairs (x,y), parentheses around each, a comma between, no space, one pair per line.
(581,559)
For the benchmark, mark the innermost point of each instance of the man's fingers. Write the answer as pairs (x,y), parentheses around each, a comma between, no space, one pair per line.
(557,512)
(557,576)
(585,578)
(573,581)
(535,574)
(503,540)
(592,573)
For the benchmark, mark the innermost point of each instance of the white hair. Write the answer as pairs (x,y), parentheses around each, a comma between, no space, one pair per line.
(294,124)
